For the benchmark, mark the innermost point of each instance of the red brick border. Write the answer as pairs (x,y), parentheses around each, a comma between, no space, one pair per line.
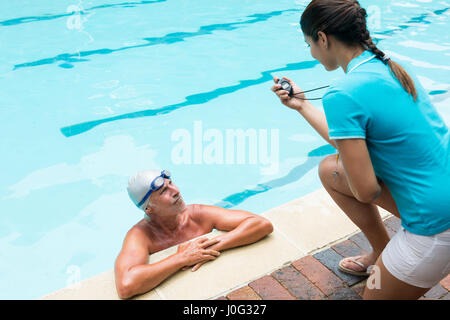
(318,274)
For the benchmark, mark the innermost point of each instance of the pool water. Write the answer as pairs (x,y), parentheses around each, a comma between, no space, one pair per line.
(93,91)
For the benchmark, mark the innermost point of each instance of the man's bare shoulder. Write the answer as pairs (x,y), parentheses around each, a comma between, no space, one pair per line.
(203,208)
(139,234)
(206,215)
(199,212)
(135,250)
(141,228)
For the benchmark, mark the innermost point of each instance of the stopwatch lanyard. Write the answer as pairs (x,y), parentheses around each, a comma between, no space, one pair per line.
(309,91)
(364,61)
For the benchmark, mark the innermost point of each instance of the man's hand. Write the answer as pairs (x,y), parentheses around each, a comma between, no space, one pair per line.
(195,268)
(196,252)
(211,246)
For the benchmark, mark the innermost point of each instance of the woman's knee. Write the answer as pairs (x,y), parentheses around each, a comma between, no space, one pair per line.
(326,167)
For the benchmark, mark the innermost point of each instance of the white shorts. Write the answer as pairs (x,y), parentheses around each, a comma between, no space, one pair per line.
(421,261)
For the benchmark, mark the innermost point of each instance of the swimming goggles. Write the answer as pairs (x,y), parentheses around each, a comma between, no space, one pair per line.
(156,184)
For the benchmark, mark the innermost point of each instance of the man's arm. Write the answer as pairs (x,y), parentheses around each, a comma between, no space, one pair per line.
(244,227)
(135,276)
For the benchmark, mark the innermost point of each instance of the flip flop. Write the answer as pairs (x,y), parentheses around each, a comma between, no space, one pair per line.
(364,273)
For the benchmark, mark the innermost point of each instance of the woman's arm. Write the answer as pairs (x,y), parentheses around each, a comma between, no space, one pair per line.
(315,117)
(353,152)
(358,169)
(386,201)
(363,182)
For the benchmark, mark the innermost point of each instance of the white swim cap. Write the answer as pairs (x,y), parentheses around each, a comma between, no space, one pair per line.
(139,185)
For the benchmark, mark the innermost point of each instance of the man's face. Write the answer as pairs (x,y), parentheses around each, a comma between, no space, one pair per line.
(167,198)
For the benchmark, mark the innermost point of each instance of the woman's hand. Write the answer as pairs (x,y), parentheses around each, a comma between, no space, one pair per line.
(296,101)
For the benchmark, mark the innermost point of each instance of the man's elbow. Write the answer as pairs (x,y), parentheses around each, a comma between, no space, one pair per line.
(267,226)
(125,289)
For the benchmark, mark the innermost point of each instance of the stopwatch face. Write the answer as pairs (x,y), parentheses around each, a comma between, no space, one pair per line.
(285,85)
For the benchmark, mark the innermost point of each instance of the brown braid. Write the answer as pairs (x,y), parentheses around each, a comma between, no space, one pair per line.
(366,41)
(346,20)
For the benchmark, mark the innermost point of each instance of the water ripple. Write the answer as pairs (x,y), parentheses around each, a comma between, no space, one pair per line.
(15,21)
(194,99)
(295,174)
(170,38)
(207,96)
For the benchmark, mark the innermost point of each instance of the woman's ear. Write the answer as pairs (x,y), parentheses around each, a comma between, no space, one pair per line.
(323,39)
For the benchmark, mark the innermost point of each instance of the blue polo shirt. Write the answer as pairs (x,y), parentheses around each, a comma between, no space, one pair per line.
(408,141)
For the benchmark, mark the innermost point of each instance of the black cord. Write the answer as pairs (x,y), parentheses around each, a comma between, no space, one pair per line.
(313,89)
(309,91)
(308,99)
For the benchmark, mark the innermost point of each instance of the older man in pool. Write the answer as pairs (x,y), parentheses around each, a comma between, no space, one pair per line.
(168,221)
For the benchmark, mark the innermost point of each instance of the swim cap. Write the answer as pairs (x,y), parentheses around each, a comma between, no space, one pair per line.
(139,185)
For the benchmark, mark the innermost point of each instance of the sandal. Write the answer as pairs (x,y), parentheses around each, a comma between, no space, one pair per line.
(364,273)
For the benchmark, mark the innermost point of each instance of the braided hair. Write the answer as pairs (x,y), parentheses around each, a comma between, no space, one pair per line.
(346,20)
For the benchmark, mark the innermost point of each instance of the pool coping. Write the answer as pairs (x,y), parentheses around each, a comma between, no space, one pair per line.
(317,276)
(301,227)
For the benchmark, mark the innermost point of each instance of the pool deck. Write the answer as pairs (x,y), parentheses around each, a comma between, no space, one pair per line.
(298,260)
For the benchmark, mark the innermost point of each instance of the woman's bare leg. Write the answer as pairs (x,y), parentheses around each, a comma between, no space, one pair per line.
(368,219)
(365,216)
(389,287)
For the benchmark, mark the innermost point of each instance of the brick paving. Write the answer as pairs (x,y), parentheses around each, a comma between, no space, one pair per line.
(269,288)
(330,259)
(446,297)
(323,278)
(316,277)
(446,283)
(297,284)
(361,241)
(244,293)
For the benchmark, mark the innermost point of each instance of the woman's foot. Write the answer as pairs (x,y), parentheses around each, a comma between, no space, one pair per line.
(359,265)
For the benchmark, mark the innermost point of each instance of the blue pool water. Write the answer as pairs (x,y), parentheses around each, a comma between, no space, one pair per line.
(93,91)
